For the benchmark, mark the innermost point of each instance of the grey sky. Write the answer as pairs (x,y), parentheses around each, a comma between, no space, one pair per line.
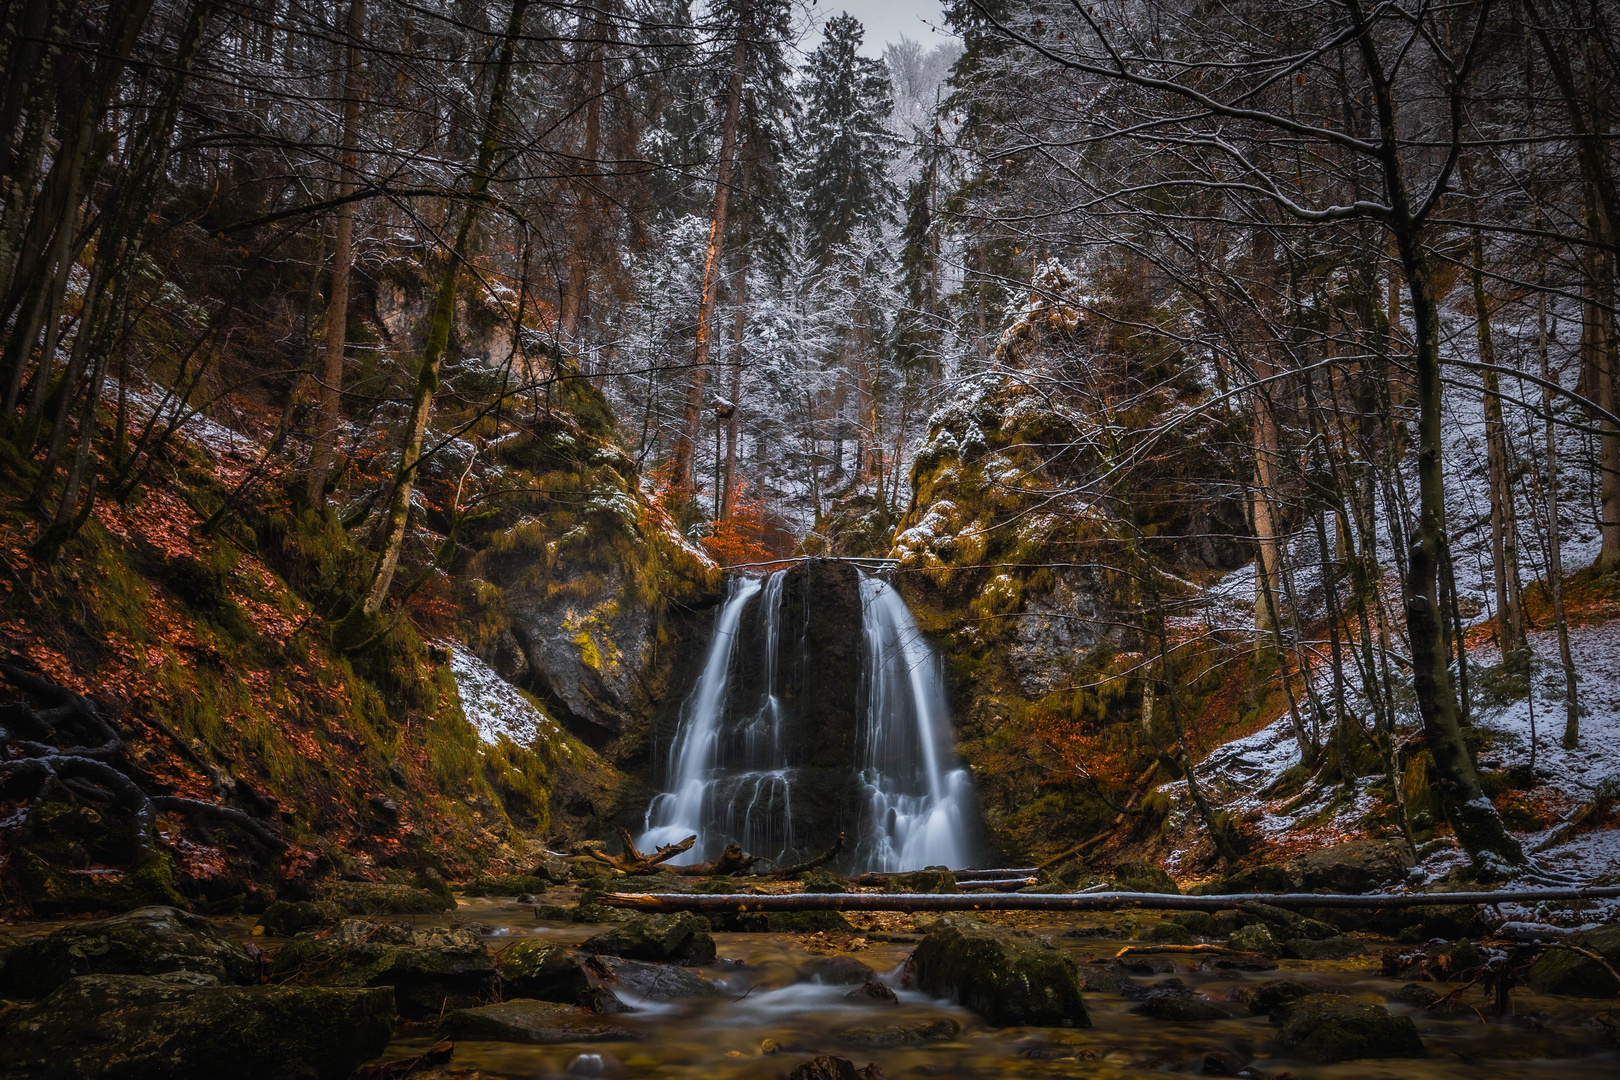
(888,20)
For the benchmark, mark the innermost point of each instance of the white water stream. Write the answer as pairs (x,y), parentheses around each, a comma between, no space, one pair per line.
(730,777)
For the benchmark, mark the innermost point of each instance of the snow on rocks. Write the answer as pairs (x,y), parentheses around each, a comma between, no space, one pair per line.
(493,706)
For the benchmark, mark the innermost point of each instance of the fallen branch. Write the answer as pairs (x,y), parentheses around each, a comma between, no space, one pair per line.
(1103,901)
(1002,885)
(825,857)
(1200,950)
(633,861)
(1136,793)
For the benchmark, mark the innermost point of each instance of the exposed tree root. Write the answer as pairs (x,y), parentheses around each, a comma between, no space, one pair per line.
(633,861)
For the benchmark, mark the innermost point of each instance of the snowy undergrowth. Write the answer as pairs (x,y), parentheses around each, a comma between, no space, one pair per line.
(494,707)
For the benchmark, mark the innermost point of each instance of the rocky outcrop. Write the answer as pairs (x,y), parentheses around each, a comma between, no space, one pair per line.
(182,1027)
(146,941)
(1332,1027)
(1565,971)
(428,970)
(653,982)
(522,1020)
(536,968)
(1006,977)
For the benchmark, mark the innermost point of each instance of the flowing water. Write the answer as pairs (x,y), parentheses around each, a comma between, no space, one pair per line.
(731,766)
(725,1038)
(916,789)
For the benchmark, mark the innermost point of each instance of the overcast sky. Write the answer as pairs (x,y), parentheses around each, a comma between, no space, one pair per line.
(888,20)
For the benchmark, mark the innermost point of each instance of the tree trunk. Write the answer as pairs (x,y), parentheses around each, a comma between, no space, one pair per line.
(438,338)
(1555,544)
(739,298)
(692,413)
(586,227)
(337,312)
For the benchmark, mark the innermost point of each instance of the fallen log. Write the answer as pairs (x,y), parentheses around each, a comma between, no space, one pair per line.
(1003,885)
(635,862)
(1102,901)
(1183,950)
(785,872)
(962,876)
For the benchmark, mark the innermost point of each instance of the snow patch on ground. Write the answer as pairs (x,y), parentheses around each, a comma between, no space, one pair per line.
(493,706)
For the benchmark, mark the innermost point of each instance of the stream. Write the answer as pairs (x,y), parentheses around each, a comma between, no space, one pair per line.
(768,1009)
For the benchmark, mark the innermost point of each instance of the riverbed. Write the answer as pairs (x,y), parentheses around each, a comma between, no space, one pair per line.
(769,1019)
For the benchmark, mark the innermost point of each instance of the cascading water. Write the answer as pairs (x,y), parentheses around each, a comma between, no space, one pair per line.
(729,775)
(751,737)
(915,788)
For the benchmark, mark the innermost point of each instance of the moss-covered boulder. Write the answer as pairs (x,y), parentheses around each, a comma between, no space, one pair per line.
(1332,1027)
(652,982)
(427,969)
(146,941)
(1564,971)
(524,885)
(1273,994)
(131,1027)
(1006,977)
(827,1067)
(820,881)
(1198,923)
(366,898)
(836,971)
(808,922)
(1169,933)
(523,1020)
(284,918)
(1355,867)
(1175,1002)
(683,938)
(1333,948)
(544,970)
(1144,877)
(62,837)
(1254,938)
(935,879)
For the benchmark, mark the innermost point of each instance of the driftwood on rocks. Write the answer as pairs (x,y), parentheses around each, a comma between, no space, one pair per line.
(744,902)
(820,860)
(96,770)
(633,861)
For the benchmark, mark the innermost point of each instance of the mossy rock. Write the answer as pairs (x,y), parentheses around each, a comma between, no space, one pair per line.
(681,938)
(1333,948)
(1198,923)
(1269,878)
(1169,933)
(523,1020)
(365,898)
(820,881)
(1144,877)
(1005,977)
(1254,938)
(1355,867)
(52,891)
(131,1027)
(941,1030)
(1273,994)
(1563,971)
(653,982)
(554,869)
(1174,1002)
(544,970)
(1332,1027)
(934,880)
(147,941)
(427,969)
(284,918)
(505,886)
(808,922)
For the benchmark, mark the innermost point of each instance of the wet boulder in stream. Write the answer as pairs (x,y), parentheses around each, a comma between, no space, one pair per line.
(427,969)
(1006,977)
(523,1020)
(654,982)
(1175,1002)
(683,938)
(535,968)
(183,1026)
(1332,1027)
(1565,971)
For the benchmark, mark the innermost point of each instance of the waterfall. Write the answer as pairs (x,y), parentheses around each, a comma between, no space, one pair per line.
(729,779)
(876,762)
(915,789)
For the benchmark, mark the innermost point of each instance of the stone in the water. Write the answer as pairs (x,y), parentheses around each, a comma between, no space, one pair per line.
(524,1020)
(656,982)
(130,1027)
(146,941)
(1173,1001)
(836,970)
(1198,923)
(1564,971)
(872,992)
(284,918)
(535,968)
(1006,978)
(1416,995)
(1332,1027)
(366,898)
(827,1067)
(682,938)
(942,1030)
(1333,948)
(1169,932)
(428,969)
(1108,978)
(1222,1062)
(1255,939)
(1273,994)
